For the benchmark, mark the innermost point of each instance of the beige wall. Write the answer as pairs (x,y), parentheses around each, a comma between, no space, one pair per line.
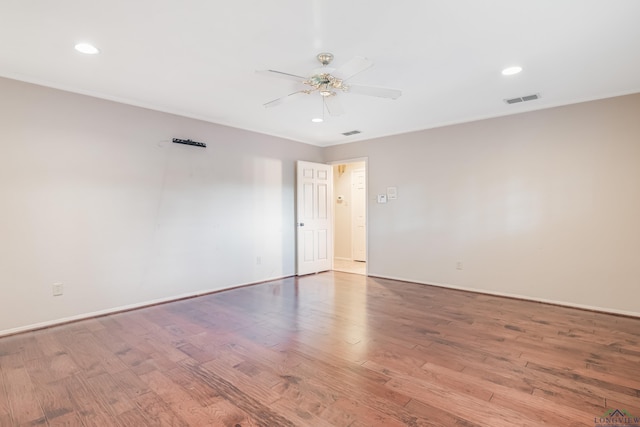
(543,205)
(95,195)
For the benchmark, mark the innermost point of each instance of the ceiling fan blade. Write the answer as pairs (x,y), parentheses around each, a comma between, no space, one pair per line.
(333,105)
(353,67)
(279,101)
(281,75)
(381,92)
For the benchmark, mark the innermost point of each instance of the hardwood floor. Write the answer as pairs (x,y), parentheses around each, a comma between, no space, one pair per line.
(329,349)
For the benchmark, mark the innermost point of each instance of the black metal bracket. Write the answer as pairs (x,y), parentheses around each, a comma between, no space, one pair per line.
(189,142)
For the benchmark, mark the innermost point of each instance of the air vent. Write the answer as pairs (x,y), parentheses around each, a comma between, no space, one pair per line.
(522,99)
(353,132)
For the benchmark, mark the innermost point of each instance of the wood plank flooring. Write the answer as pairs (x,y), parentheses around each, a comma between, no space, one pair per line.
(332,349)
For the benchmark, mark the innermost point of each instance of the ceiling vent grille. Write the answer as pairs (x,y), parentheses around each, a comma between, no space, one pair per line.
(522,98)
(353,132)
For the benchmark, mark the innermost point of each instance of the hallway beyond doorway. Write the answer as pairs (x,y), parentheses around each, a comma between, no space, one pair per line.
(348,266)
(350,215)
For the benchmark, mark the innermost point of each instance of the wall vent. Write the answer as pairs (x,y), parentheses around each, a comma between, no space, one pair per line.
(522,98)
(353,132)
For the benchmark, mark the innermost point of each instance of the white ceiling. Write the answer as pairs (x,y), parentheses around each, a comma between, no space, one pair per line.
(198,58)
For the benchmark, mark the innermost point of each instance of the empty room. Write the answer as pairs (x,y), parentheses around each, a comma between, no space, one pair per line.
(320,213)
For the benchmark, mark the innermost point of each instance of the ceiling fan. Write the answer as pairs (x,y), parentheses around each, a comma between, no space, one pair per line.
(327,81)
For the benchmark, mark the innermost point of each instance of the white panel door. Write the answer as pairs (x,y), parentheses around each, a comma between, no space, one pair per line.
(359,215)
(314,218)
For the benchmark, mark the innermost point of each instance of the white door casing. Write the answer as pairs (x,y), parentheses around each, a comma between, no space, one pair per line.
(358,215)
(314,217)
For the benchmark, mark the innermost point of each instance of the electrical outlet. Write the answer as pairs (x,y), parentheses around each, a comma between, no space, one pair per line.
(58,289)
(459,265)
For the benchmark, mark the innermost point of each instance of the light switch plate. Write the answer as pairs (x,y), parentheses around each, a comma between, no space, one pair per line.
(382,198)
(392,193)
(57,289)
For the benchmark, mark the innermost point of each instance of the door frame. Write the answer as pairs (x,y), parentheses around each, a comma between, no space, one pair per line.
(366,214)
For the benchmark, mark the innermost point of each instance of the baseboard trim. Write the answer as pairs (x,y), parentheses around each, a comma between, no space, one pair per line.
(124,308)
(515,296)
(120,309)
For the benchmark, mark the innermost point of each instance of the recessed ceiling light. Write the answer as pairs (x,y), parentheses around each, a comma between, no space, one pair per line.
(317,120)
(511,71)
(87,48)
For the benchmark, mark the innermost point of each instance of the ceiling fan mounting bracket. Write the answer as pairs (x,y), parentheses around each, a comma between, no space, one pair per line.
(325,58)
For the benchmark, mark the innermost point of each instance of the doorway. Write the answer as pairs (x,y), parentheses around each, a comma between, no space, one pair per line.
(350,216)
